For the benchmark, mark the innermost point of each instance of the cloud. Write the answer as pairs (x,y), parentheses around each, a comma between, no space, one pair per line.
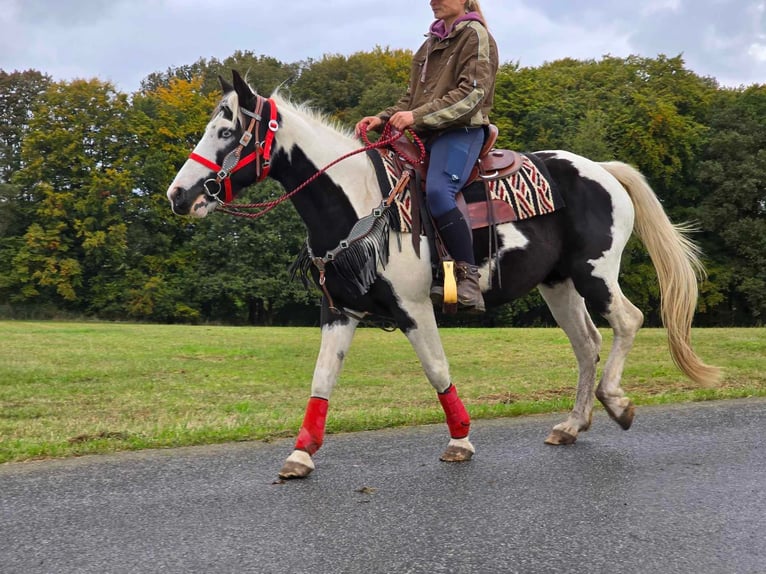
(61,14)
(758,52)
(126,40)
(659,6)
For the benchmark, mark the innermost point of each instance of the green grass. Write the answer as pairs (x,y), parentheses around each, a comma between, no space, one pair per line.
(68,389)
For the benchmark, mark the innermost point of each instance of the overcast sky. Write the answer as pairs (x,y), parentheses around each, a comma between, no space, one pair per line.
(123,41)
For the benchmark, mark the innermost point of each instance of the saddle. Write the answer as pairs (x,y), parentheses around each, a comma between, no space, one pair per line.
(492,164)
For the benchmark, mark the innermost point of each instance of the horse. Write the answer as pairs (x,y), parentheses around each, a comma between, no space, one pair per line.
(572,256)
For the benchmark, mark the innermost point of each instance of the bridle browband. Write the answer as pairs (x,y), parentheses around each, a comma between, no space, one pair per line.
(233,161)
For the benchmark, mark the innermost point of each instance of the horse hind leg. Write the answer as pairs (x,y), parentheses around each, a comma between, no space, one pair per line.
(568,308)
(625,319)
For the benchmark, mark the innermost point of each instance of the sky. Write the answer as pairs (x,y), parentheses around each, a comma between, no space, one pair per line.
(123,41)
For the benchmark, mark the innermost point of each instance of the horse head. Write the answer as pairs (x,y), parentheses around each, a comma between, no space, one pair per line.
(234,151)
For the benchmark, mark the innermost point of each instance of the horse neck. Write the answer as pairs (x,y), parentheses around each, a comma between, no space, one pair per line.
(330,205)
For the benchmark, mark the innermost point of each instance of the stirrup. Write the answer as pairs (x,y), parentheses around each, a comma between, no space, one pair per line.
(450,283)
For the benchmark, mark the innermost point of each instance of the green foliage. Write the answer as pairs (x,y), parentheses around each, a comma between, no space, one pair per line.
(85,226)
(647,112)
(19,93)
(263,72)
(75,189)
(354,86)
(243,276)
(733,170)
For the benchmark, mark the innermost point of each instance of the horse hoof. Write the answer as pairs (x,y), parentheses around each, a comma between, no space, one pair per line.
(624,406)
(294,470)
(297,465)
(456,454)
(458,450)
(625,420)
(559,437)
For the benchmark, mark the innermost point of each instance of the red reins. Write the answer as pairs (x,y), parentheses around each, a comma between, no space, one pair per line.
(388,138)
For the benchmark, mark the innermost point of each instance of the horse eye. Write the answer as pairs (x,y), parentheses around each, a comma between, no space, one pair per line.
(226,133)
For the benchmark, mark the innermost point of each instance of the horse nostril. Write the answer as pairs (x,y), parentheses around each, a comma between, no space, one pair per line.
(174,195)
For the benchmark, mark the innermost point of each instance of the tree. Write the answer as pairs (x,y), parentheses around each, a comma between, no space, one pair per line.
(85,224)
(72,160)
(19,93)
(244,276)
(165,123)
(350,87)
(263,72)
(733,171)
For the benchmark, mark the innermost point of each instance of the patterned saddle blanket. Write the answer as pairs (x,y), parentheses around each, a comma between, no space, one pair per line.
(524,193)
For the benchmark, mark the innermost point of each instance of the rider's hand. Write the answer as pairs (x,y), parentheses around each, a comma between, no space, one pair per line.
(402,120)
(368,123)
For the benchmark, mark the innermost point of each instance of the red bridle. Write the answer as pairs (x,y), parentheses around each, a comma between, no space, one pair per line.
(234,162)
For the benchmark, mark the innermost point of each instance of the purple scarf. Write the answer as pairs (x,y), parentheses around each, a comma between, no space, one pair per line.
(439,29)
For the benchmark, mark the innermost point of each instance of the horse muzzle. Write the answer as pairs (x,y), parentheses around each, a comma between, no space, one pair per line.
(185,202)
(178,203)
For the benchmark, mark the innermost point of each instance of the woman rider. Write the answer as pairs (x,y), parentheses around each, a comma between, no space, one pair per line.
(447,103)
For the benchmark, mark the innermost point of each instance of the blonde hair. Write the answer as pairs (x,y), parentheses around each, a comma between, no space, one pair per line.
(473,6)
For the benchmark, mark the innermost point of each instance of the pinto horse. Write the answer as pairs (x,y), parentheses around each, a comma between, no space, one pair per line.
(571,255)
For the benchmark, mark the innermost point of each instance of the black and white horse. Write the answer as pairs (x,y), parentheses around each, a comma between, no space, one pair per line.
(572,256)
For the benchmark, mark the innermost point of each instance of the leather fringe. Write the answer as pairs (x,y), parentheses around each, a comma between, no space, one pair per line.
(356,260)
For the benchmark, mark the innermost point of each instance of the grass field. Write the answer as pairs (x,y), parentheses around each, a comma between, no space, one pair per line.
(68,389)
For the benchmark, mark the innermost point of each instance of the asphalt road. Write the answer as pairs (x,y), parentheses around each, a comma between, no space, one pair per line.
(683,491)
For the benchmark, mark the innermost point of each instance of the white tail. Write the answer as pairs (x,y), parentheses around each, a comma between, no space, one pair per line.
(676,260)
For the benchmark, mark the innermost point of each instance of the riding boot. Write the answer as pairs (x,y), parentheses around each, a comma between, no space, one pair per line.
(469,296)
(458,240)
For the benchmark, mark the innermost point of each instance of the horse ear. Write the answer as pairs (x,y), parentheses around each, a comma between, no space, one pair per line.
(225,86)
(246,95)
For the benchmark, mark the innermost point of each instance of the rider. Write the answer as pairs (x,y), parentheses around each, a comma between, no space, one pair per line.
(450,93)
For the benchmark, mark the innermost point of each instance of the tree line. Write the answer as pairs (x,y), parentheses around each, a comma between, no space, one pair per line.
(86,229)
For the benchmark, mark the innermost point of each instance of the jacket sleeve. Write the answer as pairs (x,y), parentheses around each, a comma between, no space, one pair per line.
(475,77)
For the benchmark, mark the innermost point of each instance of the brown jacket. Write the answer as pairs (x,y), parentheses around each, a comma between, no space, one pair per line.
(452,81)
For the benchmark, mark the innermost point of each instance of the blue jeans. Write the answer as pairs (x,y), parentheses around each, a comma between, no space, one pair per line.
(452,157)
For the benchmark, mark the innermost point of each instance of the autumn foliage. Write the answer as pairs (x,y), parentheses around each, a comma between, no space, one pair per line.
(86,230)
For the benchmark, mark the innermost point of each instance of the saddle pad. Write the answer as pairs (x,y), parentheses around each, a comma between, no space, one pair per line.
(527,191)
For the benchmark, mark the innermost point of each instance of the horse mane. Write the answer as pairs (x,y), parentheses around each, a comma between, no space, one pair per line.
(311,113)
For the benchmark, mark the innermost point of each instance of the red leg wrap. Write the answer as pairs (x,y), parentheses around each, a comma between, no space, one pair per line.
(312,432)
(458,421)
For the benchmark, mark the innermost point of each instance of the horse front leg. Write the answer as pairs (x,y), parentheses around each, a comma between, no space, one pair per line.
(336,340)
(459,448)
(428,347)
